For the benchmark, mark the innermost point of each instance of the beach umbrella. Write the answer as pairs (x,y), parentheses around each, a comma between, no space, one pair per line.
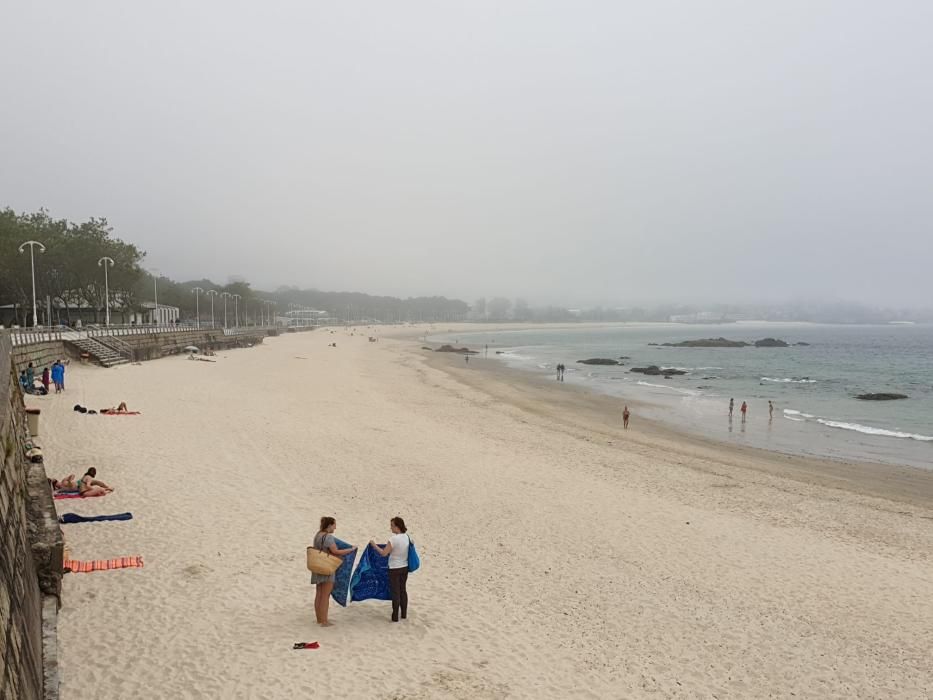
(191,348)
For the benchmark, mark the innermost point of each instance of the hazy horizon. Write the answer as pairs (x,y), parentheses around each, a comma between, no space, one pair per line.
(581,154)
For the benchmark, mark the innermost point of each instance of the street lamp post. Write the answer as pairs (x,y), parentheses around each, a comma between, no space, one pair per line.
(212,293)
(155,295)
(225,295)
(106,262)
(32,260)
(197,307)
(236,310)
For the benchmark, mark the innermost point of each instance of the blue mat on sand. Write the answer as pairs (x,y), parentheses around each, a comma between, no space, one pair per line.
(342,575)
(371,578)
(75,518)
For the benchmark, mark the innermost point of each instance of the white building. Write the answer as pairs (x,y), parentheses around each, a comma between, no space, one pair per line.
(151,314)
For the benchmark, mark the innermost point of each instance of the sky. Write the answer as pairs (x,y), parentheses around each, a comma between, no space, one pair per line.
(564,152)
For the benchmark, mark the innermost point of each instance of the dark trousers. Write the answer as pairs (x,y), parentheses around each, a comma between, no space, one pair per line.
(398,580)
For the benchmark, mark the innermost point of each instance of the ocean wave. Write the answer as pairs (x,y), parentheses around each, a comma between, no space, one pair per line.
(513,355)
(868,430)
(677,390)
(792,412)
(789,380)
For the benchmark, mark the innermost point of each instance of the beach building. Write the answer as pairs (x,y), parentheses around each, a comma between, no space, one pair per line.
(155,314)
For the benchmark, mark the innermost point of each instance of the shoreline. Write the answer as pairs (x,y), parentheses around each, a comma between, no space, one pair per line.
(580,407)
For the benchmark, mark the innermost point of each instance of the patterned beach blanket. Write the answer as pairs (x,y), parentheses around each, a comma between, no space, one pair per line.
(342,575)
(86,567)
(371,579)
(67,518)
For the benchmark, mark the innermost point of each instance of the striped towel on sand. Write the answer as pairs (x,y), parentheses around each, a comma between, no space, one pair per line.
(86,567)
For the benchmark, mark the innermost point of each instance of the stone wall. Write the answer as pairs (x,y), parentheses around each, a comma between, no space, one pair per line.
(39,354)
(31,549)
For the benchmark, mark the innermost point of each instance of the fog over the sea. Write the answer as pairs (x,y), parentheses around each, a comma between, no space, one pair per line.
(573,152)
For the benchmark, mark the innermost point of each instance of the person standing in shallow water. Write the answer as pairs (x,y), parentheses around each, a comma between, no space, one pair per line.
(770,411)
(323,585)
(744,410)
(397,551)
(731,407)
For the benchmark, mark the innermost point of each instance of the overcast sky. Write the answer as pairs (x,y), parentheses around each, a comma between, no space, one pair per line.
(574,152)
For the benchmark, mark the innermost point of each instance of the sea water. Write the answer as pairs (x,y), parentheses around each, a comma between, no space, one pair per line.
(813,386)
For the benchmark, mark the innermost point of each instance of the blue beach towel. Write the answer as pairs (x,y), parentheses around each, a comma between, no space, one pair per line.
(75,518)
(371,578)
(342,575)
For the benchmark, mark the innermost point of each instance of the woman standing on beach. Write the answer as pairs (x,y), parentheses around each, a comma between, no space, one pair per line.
(397,551)
(325,541)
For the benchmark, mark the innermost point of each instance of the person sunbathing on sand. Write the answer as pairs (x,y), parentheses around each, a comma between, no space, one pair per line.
(66,484)
(119,409)
(88,485)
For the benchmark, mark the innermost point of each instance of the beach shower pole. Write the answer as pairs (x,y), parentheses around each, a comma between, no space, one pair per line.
(32,260)
(197,307)
(106,262)
(212,293)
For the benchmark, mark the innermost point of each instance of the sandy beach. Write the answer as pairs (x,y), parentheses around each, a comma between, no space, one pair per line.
(562,557)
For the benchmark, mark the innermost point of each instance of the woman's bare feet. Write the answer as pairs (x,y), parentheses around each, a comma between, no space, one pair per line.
(326,624)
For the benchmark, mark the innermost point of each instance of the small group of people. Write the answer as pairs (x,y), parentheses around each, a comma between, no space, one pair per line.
(396,549)
(560,372)
(743,409)
(88,485)
(56,376)
(111,410)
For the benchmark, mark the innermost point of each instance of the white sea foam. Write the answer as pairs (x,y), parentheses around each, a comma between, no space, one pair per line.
(791,412)
(677,390)
(789,380)
(868,430)
(511,355)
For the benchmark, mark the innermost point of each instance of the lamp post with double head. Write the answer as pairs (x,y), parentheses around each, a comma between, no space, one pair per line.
(32,261)
(197,307)
(106,262)
(236,310)
(225,296)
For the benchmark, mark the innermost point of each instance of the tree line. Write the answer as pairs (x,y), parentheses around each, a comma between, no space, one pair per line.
(69,276)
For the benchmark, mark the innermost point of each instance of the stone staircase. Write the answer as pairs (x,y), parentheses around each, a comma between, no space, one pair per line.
(106,356)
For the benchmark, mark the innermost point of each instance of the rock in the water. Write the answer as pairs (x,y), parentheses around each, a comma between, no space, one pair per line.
(707,343)
(462,351)
(770,343)
(655,371)
(599,361)
(802,344)
(881,397)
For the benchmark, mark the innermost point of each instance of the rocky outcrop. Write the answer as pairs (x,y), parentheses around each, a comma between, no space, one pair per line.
(462,351)
(881,397)
(770,343)
(707,343)
(655,371)
(598,361)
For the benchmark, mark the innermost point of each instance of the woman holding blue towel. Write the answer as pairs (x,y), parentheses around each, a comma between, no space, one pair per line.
(397,551)
(325,540)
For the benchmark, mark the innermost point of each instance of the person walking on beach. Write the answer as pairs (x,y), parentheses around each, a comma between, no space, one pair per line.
(397,551)
(770,411)
(731,407)
(58,376)
(31,377)
(46,378)
(744,410)
(625,417)
(324,540)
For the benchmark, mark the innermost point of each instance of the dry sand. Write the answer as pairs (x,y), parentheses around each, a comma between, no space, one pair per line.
(562,558)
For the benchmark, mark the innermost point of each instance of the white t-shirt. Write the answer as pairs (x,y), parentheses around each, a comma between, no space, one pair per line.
(398,558)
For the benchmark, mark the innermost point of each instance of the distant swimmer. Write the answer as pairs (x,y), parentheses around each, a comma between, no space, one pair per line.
(466,359)
(731,407)
(770,411)
(625,417)
(744,410)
